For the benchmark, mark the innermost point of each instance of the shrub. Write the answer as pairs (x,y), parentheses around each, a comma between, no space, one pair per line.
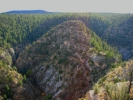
(116,80)
(55,57)
(60,71)
(8,92)
(28,73)
(24,78)
(5,97)
(1,81)
(7,88)
(62,60)
(14,68)
(102,80)
(117,92)
(113,65)
(48,97)
(20,82)
(95,88)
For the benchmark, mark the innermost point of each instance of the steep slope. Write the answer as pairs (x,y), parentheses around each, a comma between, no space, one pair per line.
(22,29)
(115,85)
(122,31)
(9,79)
(5,56)
(121,35)
(13,85)
(25,28)
(66,59)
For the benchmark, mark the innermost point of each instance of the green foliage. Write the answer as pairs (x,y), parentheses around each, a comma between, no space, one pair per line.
(24,78)
(55,57)
(48,97)
(7,77)
(60,71)
(28,73)
(117,92)
(17,28)
(1,81)
(20,83)
(102,46)
(8,92)
(102,80)
(123,64)
(14,68)
(24,29)
(7,74)
(62,60)
(113,65)
(7,87)
(116,80)
(5,97)
(96,88)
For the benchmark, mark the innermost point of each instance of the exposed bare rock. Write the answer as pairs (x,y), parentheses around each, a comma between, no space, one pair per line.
(97,58)
(60,61)
(12,53)
(5,56)
(24,93)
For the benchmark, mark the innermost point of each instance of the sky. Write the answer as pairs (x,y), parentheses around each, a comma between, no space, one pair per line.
(115,6)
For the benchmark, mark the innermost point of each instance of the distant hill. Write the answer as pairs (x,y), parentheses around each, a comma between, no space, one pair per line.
(29,12)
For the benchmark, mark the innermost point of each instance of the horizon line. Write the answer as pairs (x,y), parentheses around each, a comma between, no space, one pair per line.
(67,11)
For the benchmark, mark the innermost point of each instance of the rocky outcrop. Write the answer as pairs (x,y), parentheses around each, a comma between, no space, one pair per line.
(13,86)
(61,61)
(97,58)
(8,55)
(18,49)
(25,92)
(5,56)
(12,53)
(9,78)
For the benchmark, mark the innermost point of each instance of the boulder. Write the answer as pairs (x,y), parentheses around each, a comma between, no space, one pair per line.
(96,58)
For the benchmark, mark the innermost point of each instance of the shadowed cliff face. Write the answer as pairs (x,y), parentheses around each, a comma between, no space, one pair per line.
(61,61)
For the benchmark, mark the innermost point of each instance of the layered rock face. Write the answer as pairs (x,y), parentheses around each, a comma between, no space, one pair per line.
(61,61)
